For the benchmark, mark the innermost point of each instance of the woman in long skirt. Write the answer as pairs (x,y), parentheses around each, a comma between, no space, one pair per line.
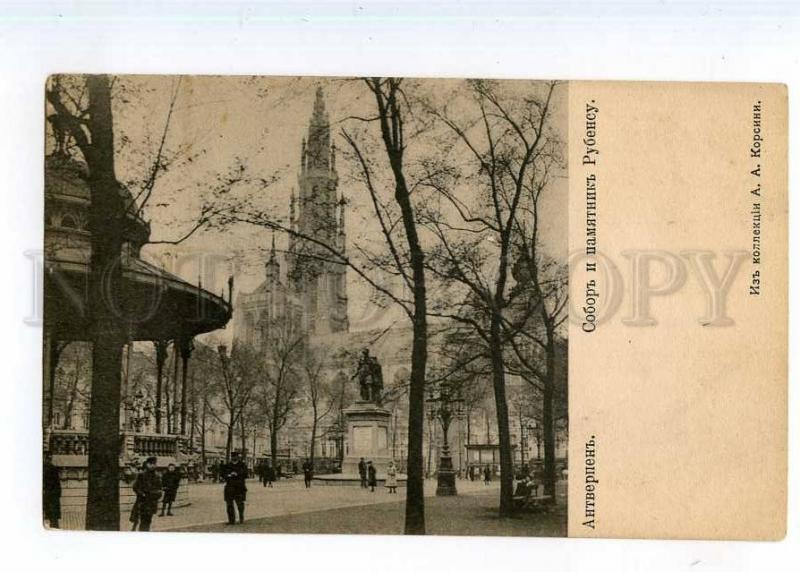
(391,478)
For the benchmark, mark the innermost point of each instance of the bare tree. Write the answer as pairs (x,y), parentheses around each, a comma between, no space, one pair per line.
(240,370)
(541,310)
(405,257)
(392,111)
(206,384)
(70,388)
(279,386)
(507,140)
(320,393)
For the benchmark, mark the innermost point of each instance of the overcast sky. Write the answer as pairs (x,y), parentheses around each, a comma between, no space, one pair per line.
(260,122)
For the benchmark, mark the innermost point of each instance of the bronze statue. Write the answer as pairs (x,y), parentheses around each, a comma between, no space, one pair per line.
(370,378)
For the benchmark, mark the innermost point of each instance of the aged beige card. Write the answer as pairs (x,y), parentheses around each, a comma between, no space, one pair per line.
(678,385)
(386,306)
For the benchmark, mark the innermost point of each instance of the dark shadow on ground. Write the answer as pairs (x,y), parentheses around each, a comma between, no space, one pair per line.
(472,515)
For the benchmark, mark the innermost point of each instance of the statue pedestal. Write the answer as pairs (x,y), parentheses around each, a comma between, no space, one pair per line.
(367,437)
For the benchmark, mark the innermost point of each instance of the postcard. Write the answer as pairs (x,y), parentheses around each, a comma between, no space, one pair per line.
(415,306)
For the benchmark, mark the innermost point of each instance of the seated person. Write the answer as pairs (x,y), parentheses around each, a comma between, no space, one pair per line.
(522,487)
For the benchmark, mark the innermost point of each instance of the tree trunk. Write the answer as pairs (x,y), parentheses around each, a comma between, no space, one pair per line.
(102,503)
(311,454)
(503,433)
(415,493)
(229,439)
(243,434)
(273,446)
(387,98)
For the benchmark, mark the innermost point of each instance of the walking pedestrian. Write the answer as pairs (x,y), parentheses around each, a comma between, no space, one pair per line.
(169,483)
(148,490)
(487,475)
(51,492)
(308,473)
(391,478)
(269,474)
(362,472)
(235,492)
(372,476)
(260,473)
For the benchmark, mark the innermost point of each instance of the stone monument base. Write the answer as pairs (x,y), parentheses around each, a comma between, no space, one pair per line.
(367,437)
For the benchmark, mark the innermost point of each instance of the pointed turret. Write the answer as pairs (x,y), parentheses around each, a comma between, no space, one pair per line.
(319,107)
(273,267)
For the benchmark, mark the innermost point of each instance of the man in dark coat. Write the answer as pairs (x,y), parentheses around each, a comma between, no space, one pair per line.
(170,482)
(51,492)
(362,472)
(235,475)
(308,473)
(148,490)
(269,474)
(261,471)
(372,476)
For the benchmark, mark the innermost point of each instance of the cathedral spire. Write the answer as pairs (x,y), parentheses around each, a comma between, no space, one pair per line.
(319,107)
(273,267)
(317,145)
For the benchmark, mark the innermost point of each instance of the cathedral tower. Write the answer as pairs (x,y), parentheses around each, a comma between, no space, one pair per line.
(318,212)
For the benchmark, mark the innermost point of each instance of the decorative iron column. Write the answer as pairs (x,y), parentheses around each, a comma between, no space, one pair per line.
(186,348)
(161,359)
(445,404)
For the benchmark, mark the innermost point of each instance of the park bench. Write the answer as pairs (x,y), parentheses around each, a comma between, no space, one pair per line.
(531,499)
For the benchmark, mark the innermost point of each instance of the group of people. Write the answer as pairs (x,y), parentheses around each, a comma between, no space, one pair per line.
(476,473)
(149,488)
(369,476)
(267,474)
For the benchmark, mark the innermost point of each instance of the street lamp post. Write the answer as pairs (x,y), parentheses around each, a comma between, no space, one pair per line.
(445,405)
(140,408)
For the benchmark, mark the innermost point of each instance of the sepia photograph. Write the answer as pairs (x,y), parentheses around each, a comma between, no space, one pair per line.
(305,305)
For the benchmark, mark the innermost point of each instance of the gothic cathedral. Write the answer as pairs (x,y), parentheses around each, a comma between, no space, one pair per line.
(309,294)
